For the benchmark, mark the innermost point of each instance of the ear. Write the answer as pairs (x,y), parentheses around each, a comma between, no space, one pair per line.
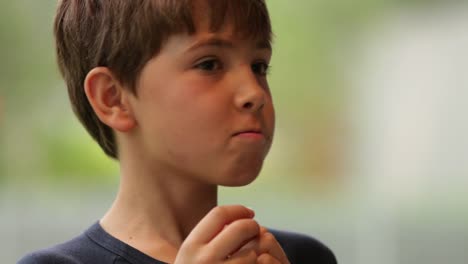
(109,99)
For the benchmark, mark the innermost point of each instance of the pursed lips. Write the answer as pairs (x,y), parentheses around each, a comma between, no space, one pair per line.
(250,133)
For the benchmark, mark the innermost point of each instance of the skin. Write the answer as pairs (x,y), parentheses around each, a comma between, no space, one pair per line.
(179,139)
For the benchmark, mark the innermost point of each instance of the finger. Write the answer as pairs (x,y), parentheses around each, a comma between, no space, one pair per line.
(267,259)
(215,221)
(267,243)
(245,257)
(234,236)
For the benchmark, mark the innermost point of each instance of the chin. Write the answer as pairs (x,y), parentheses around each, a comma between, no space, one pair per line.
(238,178)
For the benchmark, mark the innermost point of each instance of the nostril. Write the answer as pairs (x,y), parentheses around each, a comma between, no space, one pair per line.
(248,105)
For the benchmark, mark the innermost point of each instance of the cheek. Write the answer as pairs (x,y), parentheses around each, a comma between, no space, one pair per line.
(193,126)
(270,116)
(199,105)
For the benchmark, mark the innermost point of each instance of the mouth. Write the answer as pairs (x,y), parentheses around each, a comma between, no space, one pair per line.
(250,134)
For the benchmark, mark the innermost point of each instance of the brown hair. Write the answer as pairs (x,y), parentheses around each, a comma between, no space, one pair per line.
(124,34)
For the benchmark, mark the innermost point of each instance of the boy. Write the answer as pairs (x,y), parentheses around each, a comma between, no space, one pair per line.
(176,91)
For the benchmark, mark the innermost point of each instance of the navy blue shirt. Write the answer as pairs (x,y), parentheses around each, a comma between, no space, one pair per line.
(95,245)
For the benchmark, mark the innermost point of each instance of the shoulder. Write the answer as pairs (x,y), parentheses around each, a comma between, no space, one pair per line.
(47,256)
(80,249)
(301,248)
(62,253)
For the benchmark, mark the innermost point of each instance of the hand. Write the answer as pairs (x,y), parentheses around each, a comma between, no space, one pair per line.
(221,232)
(267,248)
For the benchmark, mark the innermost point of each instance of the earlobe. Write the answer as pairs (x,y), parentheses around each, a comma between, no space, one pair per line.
(108,99)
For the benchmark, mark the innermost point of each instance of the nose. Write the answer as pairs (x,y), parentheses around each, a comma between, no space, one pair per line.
(251,95)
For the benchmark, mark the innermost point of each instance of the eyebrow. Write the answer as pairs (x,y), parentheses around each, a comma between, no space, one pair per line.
(222,43)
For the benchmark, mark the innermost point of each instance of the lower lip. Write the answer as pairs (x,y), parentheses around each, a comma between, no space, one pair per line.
(251,135)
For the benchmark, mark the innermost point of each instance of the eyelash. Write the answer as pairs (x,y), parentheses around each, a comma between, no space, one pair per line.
(212,64)
(205,64)
(265,68)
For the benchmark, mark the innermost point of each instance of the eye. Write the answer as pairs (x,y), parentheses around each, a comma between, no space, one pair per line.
(211,64)
(260,68)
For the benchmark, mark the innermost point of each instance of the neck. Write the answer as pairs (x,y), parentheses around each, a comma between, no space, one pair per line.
(155,210)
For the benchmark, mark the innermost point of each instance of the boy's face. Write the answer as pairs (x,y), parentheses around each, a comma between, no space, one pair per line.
(194,100)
